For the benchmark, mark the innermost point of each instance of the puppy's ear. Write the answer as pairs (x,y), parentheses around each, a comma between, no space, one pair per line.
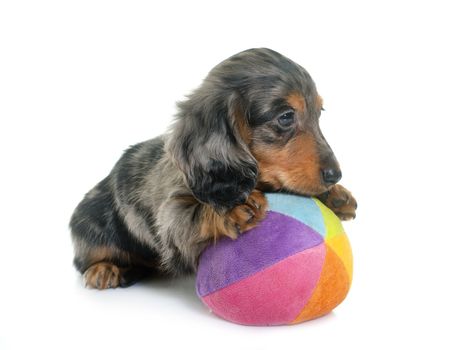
(208,145)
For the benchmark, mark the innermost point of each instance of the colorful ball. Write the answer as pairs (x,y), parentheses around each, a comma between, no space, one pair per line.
(296,265)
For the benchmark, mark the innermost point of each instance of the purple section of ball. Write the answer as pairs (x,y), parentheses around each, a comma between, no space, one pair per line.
(277,237)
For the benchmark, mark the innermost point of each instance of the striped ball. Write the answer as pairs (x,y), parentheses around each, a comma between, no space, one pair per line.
(296,265)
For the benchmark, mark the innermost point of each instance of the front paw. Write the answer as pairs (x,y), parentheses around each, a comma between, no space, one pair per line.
(246,216)
(239,219)
(341,202)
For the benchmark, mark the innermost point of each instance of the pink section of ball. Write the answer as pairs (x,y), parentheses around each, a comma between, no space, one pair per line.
(273,296)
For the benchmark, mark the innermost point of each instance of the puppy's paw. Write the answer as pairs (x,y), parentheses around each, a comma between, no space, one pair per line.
(237,220)
(246,216)
(102,275)
(341,202)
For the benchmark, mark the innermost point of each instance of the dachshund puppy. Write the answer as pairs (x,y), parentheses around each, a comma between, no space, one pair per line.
(252,126)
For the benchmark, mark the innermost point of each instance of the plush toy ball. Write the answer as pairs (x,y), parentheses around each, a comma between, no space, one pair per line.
(296,265)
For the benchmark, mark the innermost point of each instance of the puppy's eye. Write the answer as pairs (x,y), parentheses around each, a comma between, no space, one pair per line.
(286,119)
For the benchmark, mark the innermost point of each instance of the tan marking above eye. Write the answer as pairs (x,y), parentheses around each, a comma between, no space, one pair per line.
(297,101)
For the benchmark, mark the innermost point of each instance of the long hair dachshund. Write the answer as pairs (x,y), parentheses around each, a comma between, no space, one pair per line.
(252,126)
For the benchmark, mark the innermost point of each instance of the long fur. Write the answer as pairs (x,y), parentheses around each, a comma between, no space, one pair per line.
(147,213)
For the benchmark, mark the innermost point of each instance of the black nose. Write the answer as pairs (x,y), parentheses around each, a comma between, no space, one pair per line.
(331,176)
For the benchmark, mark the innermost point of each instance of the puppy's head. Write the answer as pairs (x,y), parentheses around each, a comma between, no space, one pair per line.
(254,122)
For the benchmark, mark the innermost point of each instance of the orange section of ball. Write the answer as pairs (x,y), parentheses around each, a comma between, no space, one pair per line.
(331,289)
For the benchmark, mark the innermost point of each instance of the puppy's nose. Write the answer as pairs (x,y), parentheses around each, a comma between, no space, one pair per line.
(331,176)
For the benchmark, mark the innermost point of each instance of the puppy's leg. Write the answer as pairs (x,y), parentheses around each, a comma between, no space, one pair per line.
(340,201)
(106,253)
(104,275)
(109,267)
(239,219)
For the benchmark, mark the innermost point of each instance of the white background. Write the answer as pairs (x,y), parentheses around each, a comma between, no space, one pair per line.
(80,81)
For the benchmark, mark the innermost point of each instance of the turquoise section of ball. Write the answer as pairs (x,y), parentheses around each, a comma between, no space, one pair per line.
(303,209)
